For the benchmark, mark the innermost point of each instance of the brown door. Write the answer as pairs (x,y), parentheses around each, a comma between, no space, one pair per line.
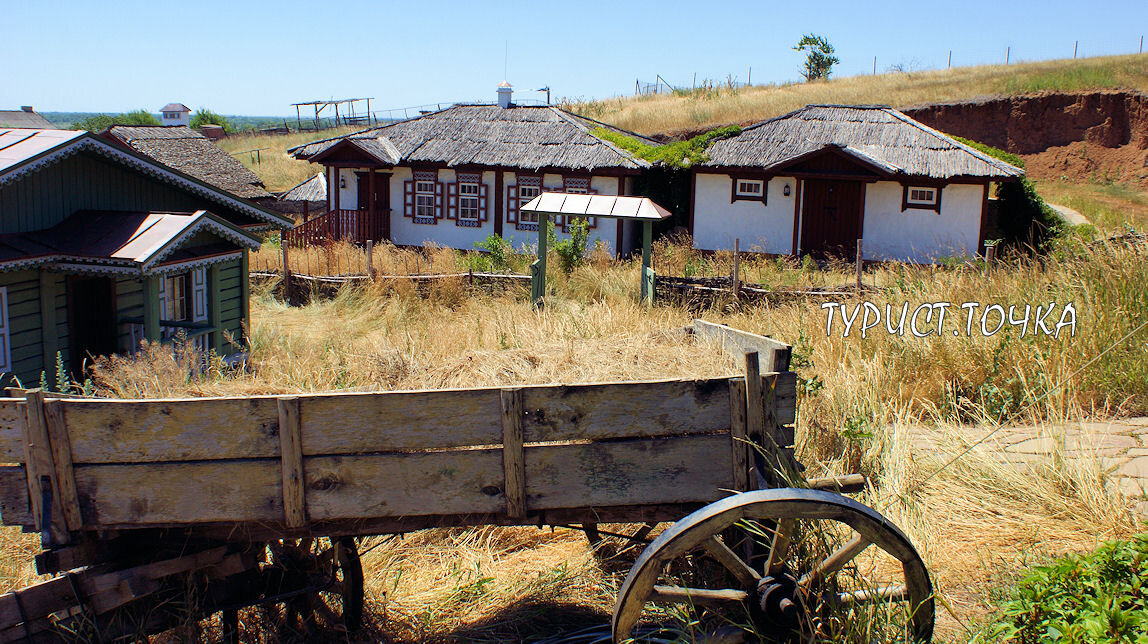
(378,227)
(91,320)
(831,218)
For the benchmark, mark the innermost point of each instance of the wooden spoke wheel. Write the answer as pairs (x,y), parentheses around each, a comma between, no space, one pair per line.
(320,581)
(787,565)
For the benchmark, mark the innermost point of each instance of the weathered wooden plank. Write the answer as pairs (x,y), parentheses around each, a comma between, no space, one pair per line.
(739,442)
(625,410)
(357,423)
(755,413)
(134,431)
(784,386)
(12,421)
(774,355)
(15,508)
(666,470)
(514,484)
(294,499)
(62,462)
(41,473)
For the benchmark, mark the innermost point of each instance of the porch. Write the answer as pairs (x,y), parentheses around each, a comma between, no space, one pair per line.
(355,226)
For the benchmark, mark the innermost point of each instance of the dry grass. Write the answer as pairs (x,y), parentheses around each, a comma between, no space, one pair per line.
(867,404)
(707,109)
(278,171)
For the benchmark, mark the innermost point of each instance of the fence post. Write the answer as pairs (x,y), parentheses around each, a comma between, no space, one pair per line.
(286,266)
(858,265)
(990,257)
(371,259)
(736,267)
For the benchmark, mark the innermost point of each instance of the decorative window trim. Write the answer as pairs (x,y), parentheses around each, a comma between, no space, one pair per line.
(737,194)
(514,200)
(456,196)
(907,202)
(410,197)
(5,333)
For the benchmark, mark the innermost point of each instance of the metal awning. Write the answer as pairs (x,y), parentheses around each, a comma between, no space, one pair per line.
(616,207)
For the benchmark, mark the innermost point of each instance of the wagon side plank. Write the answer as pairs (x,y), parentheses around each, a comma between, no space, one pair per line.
(40,470)
(11,430)
(294,499)
(514,485)
(15,508)
(62,462)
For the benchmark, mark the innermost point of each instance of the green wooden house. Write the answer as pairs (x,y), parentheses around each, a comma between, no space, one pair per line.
(102,248)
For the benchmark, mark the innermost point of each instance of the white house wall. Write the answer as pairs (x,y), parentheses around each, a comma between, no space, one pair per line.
(919,235)
(763,228)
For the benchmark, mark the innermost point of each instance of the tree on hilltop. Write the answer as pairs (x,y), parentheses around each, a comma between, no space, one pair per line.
(819,59)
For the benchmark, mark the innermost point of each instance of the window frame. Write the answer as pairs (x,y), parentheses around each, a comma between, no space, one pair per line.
(178,293)
(735,193)
(908,203)
(528,217)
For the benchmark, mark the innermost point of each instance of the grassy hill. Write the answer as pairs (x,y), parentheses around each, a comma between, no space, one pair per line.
(709,107)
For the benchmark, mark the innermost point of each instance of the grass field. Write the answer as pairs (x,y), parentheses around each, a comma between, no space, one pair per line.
(976,521)
(278,171)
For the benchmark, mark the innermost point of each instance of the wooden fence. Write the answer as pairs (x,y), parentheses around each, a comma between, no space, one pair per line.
(356,226)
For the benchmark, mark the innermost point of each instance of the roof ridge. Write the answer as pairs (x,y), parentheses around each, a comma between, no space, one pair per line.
(573,119)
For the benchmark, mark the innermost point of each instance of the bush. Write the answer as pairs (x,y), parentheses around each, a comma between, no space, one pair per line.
(571,252)
(204,116)
(498,252)
(1096,597)
(101,122)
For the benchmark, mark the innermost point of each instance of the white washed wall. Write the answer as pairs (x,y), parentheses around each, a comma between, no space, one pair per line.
(762,228)
(446,232)
(919,235)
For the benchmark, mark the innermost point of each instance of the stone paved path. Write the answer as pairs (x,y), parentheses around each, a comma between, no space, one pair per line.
(1120,447)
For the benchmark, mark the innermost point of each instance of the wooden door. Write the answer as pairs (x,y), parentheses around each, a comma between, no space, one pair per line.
(377,223)
(91,321)
(831,217)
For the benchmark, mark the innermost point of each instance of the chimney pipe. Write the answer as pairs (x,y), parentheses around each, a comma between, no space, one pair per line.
(26,108)
(505,92)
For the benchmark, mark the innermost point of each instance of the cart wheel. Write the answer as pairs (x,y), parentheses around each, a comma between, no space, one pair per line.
(321,581)
(834,571)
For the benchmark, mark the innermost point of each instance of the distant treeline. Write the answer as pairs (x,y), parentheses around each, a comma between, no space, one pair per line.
(93,120)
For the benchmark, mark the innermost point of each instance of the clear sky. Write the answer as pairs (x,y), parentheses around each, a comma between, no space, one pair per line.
(256,58)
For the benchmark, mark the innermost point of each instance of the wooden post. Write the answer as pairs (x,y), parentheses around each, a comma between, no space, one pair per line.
(647,292)
(286,266)
(538,268)
(151,309)
(513,461)
(65,481)
(736,268)
(1008,51)
(990,257)
(291,455)
(41,473)
(49,339)
(739,444)
(949,65)
(215,310)
(1074,46)
(859,253)
(371,259)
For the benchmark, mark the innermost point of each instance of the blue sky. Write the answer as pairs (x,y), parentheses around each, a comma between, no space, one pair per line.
(257,58)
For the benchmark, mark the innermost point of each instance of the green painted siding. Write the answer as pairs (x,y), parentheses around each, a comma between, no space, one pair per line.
(89,182)
(129,303)
(231,298)
(24,325)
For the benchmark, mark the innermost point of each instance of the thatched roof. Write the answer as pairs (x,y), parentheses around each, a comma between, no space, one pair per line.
(879,136)
(24,119)
(189,151)
(313,189)
(526,137)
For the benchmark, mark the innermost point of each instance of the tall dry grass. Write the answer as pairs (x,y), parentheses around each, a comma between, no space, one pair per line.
(278,170)
(710,108)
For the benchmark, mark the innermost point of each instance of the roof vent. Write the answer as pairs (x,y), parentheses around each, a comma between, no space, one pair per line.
(505,91)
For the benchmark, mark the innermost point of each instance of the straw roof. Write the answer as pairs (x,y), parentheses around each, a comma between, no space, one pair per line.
(189,151)
(525,137)
(313,189)
(879,136)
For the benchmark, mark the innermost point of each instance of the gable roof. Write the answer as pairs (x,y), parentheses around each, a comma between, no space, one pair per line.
(613,206)
(183,148)
(103,241)
(875,135)
(524,137)
(23,118)
(23,151)
(313,189)
(175,107)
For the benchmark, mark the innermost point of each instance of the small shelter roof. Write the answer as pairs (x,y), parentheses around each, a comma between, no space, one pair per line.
(313,189)
(141,240)
(175,107)
(526,137)
(23,151)
(185,149)
(577,205)
(876,135)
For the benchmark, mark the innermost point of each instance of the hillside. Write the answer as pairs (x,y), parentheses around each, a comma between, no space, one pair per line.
(702,109)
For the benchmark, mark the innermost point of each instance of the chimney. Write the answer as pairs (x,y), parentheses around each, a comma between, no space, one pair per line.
(26,108)
(504,93)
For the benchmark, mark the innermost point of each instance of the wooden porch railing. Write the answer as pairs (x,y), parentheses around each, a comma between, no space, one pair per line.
(356,226)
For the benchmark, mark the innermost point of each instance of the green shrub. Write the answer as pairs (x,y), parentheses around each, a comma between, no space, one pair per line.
(204,116)
(498,252)
(678,154)
(571,251)
(101,122)
(1096,597)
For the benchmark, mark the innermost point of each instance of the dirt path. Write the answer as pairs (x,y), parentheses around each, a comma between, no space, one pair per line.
(1068,214)
(1120,447)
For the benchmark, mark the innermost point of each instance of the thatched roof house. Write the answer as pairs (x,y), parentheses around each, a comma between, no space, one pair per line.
(820,178)
(469,167)
(184,149)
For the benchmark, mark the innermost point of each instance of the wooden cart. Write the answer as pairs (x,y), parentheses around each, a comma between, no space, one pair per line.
(151,509)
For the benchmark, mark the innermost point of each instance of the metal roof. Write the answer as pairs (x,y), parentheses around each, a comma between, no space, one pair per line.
(617,207)
(18,145)
(140,239)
